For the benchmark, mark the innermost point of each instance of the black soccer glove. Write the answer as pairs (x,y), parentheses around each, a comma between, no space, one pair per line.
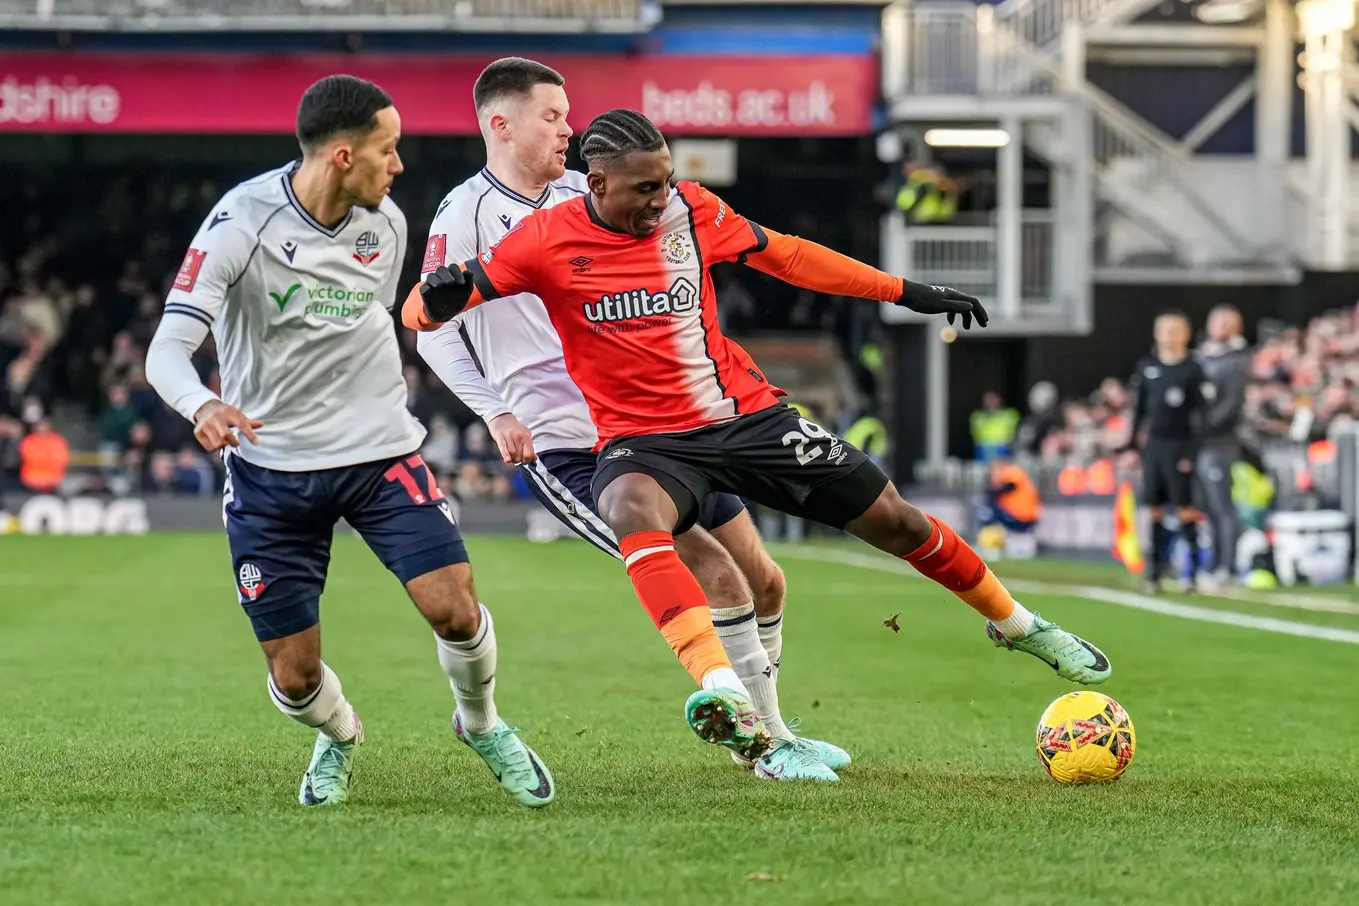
(445,293)
(941,300)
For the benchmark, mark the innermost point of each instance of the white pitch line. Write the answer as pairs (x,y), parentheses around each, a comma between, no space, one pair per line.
(1094,593)
(1314,603)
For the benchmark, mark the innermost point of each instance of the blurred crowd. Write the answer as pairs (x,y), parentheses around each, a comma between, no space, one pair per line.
(1304,388)
(1303,391)
(77,414)
(82,286)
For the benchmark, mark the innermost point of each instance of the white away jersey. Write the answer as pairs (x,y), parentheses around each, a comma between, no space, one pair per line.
(301,316)
(513,341)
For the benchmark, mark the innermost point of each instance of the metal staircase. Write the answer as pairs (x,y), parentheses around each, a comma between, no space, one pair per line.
(1021,50)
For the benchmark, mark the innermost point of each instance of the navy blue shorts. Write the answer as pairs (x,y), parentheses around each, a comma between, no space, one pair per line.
(560,479)
(279,526)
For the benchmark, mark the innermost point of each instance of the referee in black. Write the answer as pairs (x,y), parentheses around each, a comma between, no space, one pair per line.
(1168,387)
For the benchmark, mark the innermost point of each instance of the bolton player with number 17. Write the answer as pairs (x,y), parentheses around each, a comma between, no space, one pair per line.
(517,372)
(295,272)
(680,416)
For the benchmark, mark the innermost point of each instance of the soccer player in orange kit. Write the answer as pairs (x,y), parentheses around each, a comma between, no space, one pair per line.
(623,273)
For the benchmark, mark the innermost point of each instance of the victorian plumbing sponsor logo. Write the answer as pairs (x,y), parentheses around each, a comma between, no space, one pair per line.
(66,101)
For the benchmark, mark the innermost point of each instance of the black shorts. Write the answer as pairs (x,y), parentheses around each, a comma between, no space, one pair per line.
(560,479)
(774,457)
(1163,484)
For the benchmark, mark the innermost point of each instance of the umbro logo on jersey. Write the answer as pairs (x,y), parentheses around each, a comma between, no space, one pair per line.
(580,264)
(505,220)
(366,248)
(290,249)
(217,218)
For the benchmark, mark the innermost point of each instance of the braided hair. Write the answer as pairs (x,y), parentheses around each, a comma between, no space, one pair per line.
(617,133)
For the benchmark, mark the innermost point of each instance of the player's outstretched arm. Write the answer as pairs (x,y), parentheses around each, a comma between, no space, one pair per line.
(447,354)
(811,266)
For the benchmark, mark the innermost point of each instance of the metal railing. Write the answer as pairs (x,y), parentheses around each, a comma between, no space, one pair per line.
(952,48)
(965,257)
(1040,22)
(963,49)
(365,15)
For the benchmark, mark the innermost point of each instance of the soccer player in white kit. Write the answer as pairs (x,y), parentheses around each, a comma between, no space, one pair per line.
(295,272)
(505,362)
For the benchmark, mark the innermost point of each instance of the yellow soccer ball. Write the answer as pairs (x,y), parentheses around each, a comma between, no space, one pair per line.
(992,537)
(1085,737)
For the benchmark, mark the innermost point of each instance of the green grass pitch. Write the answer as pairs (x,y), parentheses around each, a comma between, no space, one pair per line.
(142,763)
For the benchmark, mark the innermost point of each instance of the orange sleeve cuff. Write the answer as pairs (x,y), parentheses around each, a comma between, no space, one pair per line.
(815,267)
(413,309)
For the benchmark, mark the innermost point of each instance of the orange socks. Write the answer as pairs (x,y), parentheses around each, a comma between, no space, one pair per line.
(948,560)
(674,600)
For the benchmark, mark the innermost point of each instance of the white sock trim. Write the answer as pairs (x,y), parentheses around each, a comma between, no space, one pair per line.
(325,709)
(469,644)
(937,547)
(731,616)
(724,678)
(1017,624)
(646,552)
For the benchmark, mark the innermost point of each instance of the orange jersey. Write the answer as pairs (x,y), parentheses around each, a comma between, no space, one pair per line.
(637,317)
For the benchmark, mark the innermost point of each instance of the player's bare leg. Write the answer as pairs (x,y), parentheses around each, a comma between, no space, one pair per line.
(308,691)
(464,634)
(935,550)
(733,614)
(643,517)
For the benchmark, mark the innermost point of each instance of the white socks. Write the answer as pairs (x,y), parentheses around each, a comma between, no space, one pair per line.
(736,628)
(325,709)
(724,678)
(1017,624)
(771,637)
(470,667)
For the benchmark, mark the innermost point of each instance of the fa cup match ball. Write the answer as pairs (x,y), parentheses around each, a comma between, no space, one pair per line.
(1085,737)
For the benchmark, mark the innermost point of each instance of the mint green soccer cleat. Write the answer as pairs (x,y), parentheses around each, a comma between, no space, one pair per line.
(795,760)
(332,763)
(725,717)
(829,754)
(515,765)
(1072,657)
